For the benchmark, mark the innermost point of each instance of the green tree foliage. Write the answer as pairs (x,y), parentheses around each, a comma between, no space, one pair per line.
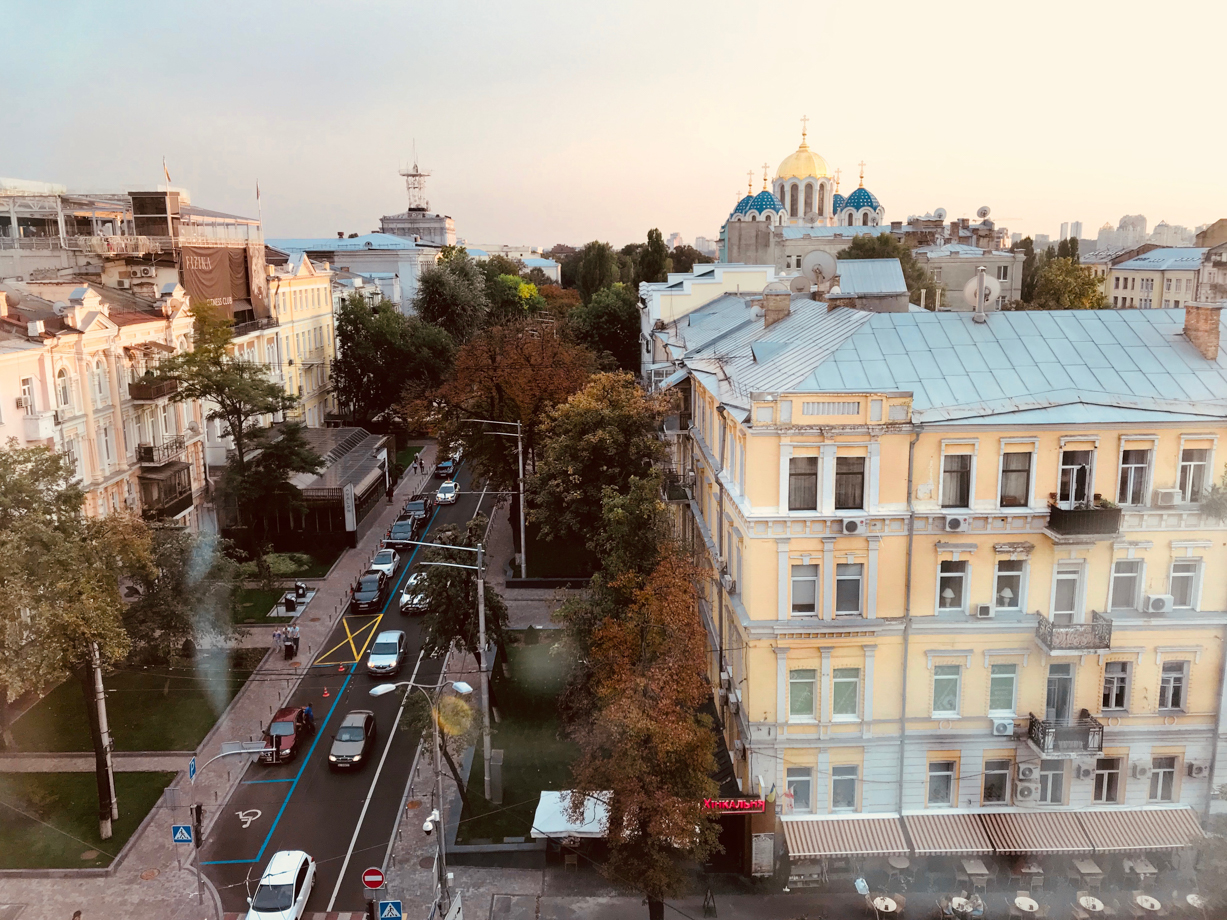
(495,265)
(654,262)
(537,276)
(452,294)
(598,268)
(451,593)
(511,298)
(568,259)
(885,246)
(383,356)
(459,727)
(1027,245)
(1062,284)
(685,258)
(1068,249)
(602,436)
(609,324)
(265,489)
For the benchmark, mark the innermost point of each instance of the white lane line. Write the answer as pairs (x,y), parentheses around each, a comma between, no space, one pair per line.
(370,792)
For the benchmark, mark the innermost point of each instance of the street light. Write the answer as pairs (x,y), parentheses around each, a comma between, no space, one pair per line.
(463,689)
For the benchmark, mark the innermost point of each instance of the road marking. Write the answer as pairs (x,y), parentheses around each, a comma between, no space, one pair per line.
(368,625)
(252,782)
(252,814)
(350,636)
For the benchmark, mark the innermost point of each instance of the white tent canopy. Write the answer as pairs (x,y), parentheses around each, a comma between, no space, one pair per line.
(551,817)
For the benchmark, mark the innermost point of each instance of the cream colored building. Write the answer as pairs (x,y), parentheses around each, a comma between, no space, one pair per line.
(1158,279)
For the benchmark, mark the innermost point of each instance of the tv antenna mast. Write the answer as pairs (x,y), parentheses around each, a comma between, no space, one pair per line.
(415,184)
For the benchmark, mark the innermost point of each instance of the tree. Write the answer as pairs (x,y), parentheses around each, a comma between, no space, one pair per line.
(457,729)
(511,297)
(494,266)
(654,262)
(609,324)
(885,246)
(628,264)
(598,268)
(602,436)
(1068,249)
(1062,284)
(266,488)
(383,355)
(451,594)
(1027,245)
(685,258)
(452,295)
(568,259)
(538,277)
(559,300)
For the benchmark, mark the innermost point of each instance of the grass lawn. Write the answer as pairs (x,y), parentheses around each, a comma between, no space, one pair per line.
(534,756)
(321,561)
(548,559)
(67,806)
(152,709)
(405,456)
(255,603)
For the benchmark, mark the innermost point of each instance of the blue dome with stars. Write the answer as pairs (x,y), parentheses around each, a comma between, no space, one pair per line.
(862,198)
(765,201)
(743,205)
(837,202)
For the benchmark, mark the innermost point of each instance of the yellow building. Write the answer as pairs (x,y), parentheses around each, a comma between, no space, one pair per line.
(1160,278)
(957,566)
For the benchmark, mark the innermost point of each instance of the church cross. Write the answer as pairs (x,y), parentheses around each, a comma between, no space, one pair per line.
(749,182)
(804,125)
(862,165)
(766,166)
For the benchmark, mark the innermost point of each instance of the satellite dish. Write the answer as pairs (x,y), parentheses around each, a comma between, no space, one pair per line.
(818,265)
(810,217)
(939,214)
(799,285)
(983,212)
(992,290)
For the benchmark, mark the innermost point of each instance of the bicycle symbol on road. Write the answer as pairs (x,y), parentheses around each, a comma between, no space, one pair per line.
(248,816)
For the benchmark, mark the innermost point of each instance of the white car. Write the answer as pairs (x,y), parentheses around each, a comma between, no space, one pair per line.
(386,561)
(284,887)
(447,493)
(413,597)
(387,654)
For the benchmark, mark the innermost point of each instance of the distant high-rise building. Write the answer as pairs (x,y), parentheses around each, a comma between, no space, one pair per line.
(1075,229)
(675,240)
(706,246)
(1064,231)
(1015,239)
(1042,240)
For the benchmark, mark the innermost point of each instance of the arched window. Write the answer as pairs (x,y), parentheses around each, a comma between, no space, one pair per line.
(865,219)
(851,218)
(65,389)
(102,386)
(809,198)
(822,200)
(793,201)
(753,217)
(767,218)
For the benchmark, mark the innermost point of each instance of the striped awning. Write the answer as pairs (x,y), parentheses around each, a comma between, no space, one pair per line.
(1140,829)
(1036,832)
(821,835)
(947,835)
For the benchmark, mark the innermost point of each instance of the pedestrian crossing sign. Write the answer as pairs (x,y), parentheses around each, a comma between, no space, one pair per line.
(390,910)
(181,833)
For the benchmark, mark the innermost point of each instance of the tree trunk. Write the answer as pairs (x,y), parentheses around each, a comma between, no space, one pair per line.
(656,908)
(86,674)
(7,742)
(451,765)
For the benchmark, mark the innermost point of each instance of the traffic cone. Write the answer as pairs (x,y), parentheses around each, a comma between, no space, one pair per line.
(325,693)
(340,669)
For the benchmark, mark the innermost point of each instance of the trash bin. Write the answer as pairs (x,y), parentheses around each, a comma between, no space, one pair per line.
(300,589)
(291,603)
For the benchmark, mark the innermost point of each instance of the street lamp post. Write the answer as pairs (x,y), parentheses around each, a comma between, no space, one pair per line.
(464,689)
(519,436)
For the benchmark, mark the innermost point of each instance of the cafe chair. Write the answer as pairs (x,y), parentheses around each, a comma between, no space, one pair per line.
(1037,884)
(944,910)
(900,901)
(1072,875)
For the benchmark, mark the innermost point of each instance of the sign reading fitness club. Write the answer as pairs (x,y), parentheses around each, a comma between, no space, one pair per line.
(736,806)
(217,274)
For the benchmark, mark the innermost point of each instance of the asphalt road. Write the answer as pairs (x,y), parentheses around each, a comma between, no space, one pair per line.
(303,805)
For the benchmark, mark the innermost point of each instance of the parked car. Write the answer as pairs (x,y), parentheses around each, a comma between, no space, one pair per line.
(387,654)
(445,468)
(447,493)
(351,745)
(404,531)
(420,506)
(386,561)
(369,595)
(413,595)
(284,887)
(286,733)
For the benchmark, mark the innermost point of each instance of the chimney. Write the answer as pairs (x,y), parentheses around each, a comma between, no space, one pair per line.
(340,234)
(34,329)
(776,303)
(1201,327)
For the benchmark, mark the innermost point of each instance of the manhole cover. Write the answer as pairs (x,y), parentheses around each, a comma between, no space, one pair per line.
(426,862)
(149,874)
(298,664)
(413,803)
(90,854)
(313,620)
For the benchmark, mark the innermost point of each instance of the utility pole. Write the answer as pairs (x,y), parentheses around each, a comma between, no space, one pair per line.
(485,677)
(104,730)
(523,543)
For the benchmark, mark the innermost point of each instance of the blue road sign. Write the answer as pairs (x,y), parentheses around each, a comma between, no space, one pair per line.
(191,770)
(181,833)
(390,910)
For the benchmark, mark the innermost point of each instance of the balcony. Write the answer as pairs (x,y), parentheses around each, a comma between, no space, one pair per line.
(1083,735)
(166,492)
(160,454)
(1075,637)
(149,389)
(252,325)
(675,486)
(1097,521)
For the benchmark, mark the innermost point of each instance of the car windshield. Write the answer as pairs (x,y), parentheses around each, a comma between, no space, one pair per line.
(383,556)
(350,733)
(281,729)
(369,583)
(273,897)
(447,489)
(384,648)
(416,507)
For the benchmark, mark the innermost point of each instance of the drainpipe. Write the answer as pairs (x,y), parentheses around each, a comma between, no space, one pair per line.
(1218,728)
(907,608)
(720,410)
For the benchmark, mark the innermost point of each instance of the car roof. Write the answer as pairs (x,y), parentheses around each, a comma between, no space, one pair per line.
(286,712)
(357,717)
(390,552)
(389,635)
(372,573)
(284,862)
(448,485)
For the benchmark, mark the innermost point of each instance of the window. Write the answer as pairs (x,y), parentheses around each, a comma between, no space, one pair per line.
(1003,273)
(805,589)
(951,582)
(1133,467)
(1116,283)
(1066,589)
(1193,463)
(1182,585)
(65,389)
(1015,479)
(786,411)
(846,693)
(1009,584)
(803,484)
(70,451)
(1115,301)
(996,782)
(1003,678)
(763,415)
(946,680)
(822,200)
(1167,285)
(848,576)
(1075,479)
(1107,779)
(937,275)
(168,427)
(801,693)
(1167,304)
(849,483)
(809,198)
(27,392)
(1171,685)
(956,481)
(793,201)
(941,782)
(1126,579)
(1116,685)
(1162,778)
(1052,782)
(800,783)
(843,788)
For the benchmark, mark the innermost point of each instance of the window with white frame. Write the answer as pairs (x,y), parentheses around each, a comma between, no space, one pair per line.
(1002,689)
(996,782)
(1074,486)
(848,588)
(64,389)
(1052,782)
(1009,582)
(1066,592)
(956,481)
(1193,464)
(802,695)
(1126,582)
(952,585)
(1116,685)
(805,589)
(803,484)
(845,693)
(27,394)
(941,782)
(1162,778)
(1172,685)
(800,783)
(1182,582)
(946,682)
(1003,273)
(843,787)
(1015,479)
(1134,465)
(1107,779)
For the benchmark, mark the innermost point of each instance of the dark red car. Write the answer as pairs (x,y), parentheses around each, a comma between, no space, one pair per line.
(289,729)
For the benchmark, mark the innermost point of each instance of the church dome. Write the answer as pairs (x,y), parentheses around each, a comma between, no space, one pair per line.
(743,205)
(862,198)
(837,202)
(765,201)
(803,164)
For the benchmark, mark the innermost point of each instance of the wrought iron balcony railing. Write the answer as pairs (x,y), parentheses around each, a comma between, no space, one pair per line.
(1083,735)
(1058,637)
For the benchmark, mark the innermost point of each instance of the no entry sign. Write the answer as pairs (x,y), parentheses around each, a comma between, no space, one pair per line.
(373,877)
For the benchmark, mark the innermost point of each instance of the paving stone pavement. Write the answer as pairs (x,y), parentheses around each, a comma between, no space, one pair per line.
(150,884)
(124,762)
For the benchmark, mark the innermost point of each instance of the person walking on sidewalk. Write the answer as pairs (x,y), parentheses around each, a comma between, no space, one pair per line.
(294,636)
(277,636)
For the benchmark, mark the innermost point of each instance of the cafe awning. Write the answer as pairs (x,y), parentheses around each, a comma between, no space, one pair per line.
(1132,829)
(851,835)
(1036,832)
(947,835)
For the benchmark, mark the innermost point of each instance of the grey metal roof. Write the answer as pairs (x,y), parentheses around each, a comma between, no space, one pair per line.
(871,276)
(1184,258)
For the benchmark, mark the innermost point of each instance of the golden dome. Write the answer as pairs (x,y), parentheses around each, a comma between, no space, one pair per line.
(802,164)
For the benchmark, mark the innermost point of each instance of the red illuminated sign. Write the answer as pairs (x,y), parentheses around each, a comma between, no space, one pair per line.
(736,806)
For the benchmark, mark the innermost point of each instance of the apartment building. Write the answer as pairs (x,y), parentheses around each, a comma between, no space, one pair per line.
(1158,279)
(957,578)
(952,265)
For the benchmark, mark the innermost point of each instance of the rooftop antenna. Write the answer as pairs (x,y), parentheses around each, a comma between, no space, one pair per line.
(415,183)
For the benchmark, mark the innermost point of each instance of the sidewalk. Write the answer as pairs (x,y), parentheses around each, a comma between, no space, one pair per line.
(149,883)
(525,606)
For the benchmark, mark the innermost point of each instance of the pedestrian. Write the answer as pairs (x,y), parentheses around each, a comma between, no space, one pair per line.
(277,637)
(76,915)
(310,714)
(294,634)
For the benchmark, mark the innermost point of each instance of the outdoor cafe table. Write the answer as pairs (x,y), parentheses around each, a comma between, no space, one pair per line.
(1029,905)
(1029,866)
(1196,900)
(1089,903)
(898,862)
(1087,868)
(1146,902)
(885,905)
(1139,865)
(975,868)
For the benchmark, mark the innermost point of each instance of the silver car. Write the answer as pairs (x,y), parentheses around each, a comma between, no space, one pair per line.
(351,745)
(387,654)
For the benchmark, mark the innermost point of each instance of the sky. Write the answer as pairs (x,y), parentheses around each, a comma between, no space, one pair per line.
(550,122)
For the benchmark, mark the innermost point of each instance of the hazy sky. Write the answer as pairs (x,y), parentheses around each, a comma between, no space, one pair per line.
(562,122)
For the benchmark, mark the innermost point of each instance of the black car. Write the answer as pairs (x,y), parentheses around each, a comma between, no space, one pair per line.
(420,506)
(445,468)
(403,532)
(369,595)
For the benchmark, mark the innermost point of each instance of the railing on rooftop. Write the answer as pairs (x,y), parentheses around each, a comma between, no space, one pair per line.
(253,325)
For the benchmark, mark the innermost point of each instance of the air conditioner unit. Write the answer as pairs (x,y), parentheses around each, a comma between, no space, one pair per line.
(23,402)
(123,284)
(726,678)
(148,271)
(730,583)
(1167,498)
(734,700)
(1003,728)
(739,749)
(1027,771)
(1196,770)
(722,695)
(1158,603)
(984,611)
(1140,770)
(855,525)
(1081,771)
(957,523)
(1026,792)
